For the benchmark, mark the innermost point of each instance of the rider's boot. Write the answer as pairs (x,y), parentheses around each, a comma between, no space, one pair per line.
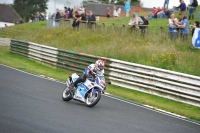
(71,90)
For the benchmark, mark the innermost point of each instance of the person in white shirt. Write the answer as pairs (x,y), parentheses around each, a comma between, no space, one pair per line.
(115,13)
(119,11)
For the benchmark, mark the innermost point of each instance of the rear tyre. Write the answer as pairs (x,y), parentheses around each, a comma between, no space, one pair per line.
(66,94)
(93,100)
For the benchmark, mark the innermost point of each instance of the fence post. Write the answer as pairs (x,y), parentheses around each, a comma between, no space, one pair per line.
(103,27)
(113,27)
(77,27)
(161,29)
(123,29)
(86,26)
(95,26)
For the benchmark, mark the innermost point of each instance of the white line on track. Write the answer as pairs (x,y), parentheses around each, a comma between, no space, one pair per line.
(107,95)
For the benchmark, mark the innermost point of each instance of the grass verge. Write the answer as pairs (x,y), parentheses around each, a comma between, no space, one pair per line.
(28,65)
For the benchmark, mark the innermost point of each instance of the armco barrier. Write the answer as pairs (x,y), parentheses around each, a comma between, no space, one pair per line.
(173,85)
(4,42)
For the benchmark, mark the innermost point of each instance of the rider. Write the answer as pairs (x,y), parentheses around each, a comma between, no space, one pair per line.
(90,71)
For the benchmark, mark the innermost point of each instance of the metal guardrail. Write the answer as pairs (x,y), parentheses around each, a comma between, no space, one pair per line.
(173,85)
(5,41)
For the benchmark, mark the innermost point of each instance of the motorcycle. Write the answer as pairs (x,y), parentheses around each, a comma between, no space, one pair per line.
(88,92)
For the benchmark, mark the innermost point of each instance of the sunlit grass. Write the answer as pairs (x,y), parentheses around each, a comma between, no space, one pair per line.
(155,49)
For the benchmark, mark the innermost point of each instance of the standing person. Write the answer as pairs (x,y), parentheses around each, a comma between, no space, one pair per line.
(119,11)
(192,8)
(50,21)
(115,14)
(36,16)
(32,17)
(108,12)
(184,25)
(66,14)
(172,31)
(127,7)
(57,18)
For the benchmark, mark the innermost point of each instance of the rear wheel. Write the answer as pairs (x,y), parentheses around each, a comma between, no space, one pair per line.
(66,94)
(92,100)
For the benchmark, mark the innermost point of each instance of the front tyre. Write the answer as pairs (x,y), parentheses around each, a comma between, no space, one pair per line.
(66,94)
(93,100)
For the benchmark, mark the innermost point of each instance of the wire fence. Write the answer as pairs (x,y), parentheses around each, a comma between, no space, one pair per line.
(150,31)
(143,30)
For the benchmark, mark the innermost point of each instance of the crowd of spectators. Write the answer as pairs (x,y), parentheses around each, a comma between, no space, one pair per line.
(165,13)
(38,16)
(116,12)
(80,14)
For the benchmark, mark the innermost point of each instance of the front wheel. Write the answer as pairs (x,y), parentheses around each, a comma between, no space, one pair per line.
(66,94)
(93,100)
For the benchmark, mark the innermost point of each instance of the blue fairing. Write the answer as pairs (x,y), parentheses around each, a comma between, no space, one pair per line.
(82,89)
(97,81)
(94,90)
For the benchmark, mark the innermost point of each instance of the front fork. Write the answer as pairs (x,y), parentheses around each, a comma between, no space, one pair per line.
(68,82)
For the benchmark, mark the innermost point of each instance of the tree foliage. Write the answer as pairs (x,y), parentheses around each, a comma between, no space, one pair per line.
(27,7)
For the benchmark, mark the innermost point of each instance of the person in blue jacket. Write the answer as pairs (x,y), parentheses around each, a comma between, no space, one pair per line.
(182,6)
(127,7)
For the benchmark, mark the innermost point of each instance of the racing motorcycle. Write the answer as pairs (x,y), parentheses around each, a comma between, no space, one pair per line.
(88,92)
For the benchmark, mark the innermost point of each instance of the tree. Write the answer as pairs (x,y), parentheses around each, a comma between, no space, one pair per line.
(27,7)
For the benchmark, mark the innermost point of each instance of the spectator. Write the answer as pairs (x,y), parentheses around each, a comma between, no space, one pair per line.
(165,14)
(192,7)
(161,13)
(78,16)
(152,14)
(184,25)
(50,21)
(157,11)
(182,6)
(127,7)
(172,31)
(119,11)
(45,16)
(32,17)
(37,17)
(135,21)
(41,17)
(71,13)
(108,12)
(83,9)
(115,13)
(91,18)
(196,25)
(57,18)
(66,14)
(75,16)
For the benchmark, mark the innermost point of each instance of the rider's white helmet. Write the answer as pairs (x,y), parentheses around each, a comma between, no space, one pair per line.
(99,64)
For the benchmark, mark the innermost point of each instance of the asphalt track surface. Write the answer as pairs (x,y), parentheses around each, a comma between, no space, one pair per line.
(30,104)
